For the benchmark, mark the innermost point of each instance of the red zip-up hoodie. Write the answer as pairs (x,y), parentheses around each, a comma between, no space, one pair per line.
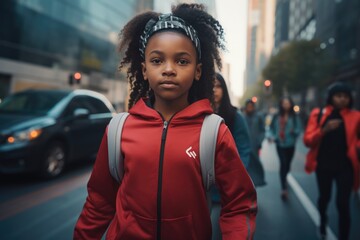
(162,195)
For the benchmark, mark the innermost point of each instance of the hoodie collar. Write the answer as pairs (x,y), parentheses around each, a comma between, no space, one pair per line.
(194,110)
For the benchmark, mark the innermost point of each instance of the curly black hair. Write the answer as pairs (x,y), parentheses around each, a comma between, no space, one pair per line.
(211,36)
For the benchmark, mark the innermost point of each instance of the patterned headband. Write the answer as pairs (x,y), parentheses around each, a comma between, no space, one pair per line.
(168,21)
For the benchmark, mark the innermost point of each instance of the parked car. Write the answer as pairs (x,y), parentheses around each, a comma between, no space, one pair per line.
(44,130)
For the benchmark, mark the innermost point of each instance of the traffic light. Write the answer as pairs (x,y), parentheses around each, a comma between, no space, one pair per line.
(77,77)
(74,78)
(267,87)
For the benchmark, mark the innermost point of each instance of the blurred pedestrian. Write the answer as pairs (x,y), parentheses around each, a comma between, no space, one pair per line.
(256,124)
(332,134)
(284,129)
(239,130)
(171,70)
(234,119)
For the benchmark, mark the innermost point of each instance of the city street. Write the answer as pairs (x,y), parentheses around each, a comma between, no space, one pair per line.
(32,209)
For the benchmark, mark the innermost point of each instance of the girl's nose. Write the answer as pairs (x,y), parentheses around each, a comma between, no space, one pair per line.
(169,69)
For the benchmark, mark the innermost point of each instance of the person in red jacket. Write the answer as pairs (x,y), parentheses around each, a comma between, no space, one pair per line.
(332,134)
(171,66)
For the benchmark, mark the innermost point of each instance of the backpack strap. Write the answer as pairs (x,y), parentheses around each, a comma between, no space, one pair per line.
(319,115)
(116,161)
(208,139)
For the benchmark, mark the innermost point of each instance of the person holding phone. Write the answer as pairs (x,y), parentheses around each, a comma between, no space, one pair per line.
(332,134)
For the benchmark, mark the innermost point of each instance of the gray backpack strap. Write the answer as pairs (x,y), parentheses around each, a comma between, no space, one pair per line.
(116,161)
(208,139)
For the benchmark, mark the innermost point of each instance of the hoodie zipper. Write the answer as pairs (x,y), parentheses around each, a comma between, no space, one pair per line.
(161,163)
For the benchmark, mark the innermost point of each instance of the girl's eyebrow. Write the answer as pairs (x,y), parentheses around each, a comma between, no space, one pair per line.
(179,54)
(156,52)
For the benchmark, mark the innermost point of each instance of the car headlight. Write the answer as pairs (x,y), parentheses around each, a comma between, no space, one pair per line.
(26,135)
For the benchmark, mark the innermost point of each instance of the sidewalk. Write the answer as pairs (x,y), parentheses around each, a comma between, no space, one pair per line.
(306,183)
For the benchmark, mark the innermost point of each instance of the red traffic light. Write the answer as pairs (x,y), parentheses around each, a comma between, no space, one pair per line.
(254,99)
(77,76)
(267,83)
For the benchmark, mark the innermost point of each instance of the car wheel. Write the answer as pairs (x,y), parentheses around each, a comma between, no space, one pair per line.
(54,161)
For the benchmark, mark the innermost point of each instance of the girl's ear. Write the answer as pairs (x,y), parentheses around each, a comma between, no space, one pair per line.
(143,68)
(198,71)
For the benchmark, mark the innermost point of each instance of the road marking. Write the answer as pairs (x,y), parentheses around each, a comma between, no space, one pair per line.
(308,205)
(22,203)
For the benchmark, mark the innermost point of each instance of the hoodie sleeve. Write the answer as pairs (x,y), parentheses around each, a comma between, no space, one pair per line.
(99,208)
(313,134)
(238,195)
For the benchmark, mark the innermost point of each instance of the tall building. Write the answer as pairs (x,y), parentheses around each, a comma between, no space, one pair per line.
(260,38)
(43,42)
(302,22)
(281,24)
(338,30)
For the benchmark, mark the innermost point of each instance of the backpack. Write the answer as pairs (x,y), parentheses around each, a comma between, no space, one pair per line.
(207,147)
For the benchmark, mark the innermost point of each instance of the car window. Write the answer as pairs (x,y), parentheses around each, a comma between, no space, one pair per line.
(31,102)
(75,103)
(98,105)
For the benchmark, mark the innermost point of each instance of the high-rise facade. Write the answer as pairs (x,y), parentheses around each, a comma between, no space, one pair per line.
(260,38)
(281,24)
(338,30)
(302,22)
(42,42)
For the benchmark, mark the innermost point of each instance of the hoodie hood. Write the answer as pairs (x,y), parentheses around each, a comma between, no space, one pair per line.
(194,110)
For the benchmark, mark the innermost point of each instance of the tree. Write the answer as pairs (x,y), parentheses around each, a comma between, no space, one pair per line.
(298,66)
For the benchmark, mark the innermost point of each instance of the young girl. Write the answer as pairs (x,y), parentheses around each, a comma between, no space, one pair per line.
(332,135)
(171,60)
(284,130)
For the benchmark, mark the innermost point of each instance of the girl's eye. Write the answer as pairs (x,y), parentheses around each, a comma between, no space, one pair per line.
(183,61)
(155,61)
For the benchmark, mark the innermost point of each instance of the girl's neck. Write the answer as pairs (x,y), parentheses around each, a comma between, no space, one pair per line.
(168,109)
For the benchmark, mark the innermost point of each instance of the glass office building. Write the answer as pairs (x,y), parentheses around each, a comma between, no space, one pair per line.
(52,39)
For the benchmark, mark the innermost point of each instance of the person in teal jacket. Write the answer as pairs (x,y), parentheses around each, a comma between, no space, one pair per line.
(284,130)
(256,124)
(236,122)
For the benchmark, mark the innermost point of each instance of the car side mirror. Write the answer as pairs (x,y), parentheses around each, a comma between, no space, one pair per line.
(81,113)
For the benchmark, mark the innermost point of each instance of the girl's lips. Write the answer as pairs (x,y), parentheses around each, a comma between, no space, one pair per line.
(168,84)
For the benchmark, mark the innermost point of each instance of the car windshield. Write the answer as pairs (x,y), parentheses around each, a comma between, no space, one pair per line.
(34,102)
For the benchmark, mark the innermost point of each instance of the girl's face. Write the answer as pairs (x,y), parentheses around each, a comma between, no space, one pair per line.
(170,66)
(286,104)
(218,92)
(340,100)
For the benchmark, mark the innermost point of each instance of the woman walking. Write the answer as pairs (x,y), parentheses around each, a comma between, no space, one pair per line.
(284,130)
(332,134)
